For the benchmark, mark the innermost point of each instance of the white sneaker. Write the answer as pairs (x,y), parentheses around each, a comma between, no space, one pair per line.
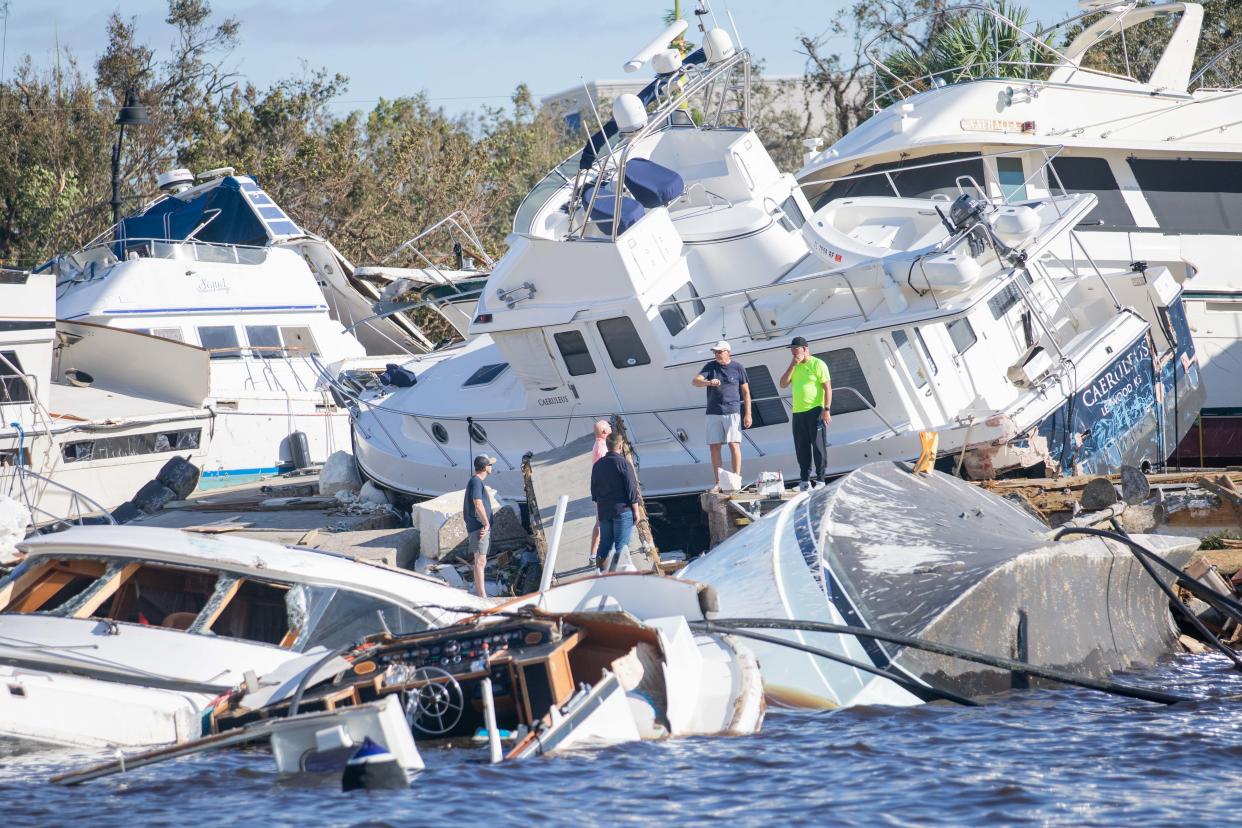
(818,484)
(804,486)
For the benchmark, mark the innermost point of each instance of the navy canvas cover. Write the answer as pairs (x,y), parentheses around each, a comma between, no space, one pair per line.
(606,204)
(236,211)
(652,184)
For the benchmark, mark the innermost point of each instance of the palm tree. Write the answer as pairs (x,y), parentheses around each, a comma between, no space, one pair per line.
(962,45)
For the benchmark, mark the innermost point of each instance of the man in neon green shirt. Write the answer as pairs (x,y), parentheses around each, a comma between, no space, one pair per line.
(812,399)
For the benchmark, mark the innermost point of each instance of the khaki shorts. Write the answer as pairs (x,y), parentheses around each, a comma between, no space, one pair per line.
(724,428)
(476,544)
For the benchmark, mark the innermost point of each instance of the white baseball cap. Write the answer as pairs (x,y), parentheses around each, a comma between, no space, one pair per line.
(722,345)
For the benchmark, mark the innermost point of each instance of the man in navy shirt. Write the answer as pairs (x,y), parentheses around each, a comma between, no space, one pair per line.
(476,508)
(728,406)
(615,492)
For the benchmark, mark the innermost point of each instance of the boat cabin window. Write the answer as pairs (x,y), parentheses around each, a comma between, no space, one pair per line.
(174,334)
(1092,175)
(914,183)
(297,339)
(104,448)
(1004,300)
(220,340)
(1192,196)
(264,341)
(13,385)
(44,584)
(962,334)
(688,308)
(249,610)
(906,350)
(574,351)
(1011,179)
(625,348)
(485,375)
(847,374)
(766,405)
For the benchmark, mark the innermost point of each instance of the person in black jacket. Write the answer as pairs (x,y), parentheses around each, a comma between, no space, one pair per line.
(615,492)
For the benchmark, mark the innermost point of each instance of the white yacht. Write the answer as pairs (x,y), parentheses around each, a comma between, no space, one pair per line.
(88,414)
(668,233)
(219,265)
(1160,149)
(125,636)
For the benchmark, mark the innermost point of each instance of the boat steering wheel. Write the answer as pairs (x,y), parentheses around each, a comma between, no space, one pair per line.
(435,707)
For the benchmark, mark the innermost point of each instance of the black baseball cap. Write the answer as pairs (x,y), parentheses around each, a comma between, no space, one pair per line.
(799,342)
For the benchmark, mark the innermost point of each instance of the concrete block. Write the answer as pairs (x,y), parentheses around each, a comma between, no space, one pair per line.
(441,526)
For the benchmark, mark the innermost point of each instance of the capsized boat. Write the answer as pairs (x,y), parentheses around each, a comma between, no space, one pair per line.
(1072,108)
(88,414)
(665,235)
(582,664)
(123,636)
(934,557)
(215,262)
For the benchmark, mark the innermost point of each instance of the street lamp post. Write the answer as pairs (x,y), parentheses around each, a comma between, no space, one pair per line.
(132,114)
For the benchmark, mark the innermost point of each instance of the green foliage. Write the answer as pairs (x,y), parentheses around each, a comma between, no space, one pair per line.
(1216,540)
(365,180)
(1138,52)
(966,45)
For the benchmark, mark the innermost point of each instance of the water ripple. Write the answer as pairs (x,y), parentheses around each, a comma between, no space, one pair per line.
(1044,757)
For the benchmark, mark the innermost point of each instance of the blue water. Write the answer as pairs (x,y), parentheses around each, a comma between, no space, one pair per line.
(1047,757)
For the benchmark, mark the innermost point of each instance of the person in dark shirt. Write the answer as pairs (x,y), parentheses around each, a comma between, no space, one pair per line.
(615,492)
(728,406)
(476,508)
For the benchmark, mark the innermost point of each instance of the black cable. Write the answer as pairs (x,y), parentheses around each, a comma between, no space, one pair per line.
(909,684)
(1134,548)
(1115,688)
(1228,605)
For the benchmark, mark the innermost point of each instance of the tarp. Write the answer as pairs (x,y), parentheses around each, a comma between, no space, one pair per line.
(234,211)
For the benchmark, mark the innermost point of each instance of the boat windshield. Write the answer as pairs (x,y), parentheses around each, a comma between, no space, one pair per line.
(199,601)
(535,200)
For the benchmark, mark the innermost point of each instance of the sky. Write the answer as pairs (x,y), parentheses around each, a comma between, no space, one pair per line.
(463,53)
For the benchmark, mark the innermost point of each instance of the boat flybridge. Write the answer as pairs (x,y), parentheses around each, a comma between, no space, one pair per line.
(218,264)
(1161,149)
(88,414)
(673,229)
(122,636)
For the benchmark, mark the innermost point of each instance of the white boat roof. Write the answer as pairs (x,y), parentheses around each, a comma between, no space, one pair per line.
(256,558)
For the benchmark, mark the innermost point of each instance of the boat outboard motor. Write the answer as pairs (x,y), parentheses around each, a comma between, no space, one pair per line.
(373,768)
(965,212)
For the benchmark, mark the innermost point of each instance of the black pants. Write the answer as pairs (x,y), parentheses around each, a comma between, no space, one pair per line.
(806,442)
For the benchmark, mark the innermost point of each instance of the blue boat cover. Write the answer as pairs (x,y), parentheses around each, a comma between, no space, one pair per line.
(236,211)
(652,184)
(605,204)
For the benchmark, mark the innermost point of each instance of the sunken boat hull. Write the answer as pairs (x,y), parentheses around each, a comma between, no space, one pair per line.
(936,558)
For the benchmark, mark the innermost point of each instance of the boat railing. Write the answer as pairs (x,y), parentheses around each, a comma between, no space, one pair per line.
(672,95)
(460,231)
(477,434)
(1216,63)
(31,488)
(1048,153)
(111,252)
(1005,59)
(436,305)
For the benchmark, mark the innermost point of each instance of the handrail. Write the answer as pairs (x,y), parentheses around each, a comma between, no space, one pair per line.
(998,59)
(18,474)
(1213,60)
(454,220)
(1043,150)
(592,416)
(699,80)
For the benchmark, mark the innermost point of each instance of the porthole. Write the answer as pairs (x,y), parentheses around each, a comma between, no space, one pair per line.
(439,432)
(477,433)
